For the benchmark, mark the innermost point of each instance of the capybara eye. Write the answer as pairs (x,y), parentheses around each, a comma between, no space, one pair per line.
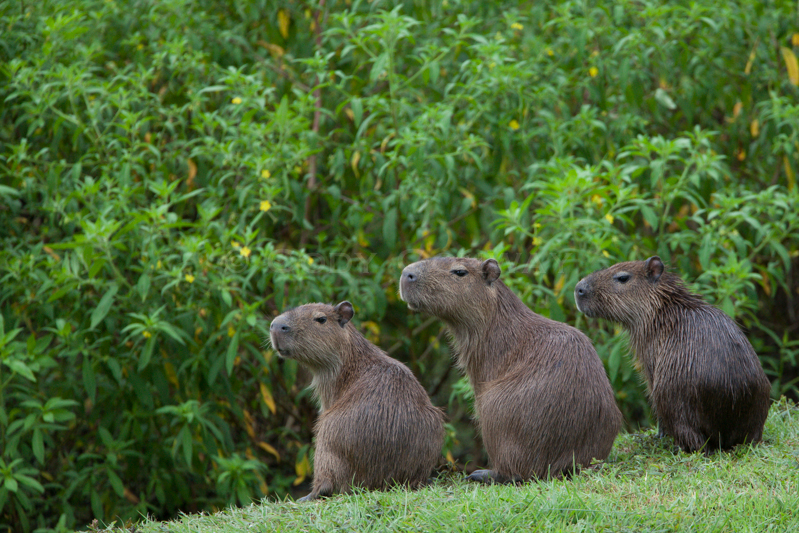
(321,319)
(622,278)
(460,273)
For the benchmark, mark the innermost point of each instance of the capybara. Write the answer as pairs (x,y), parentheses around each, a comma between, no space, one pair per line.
(544,403)
(705,383)
(377,426)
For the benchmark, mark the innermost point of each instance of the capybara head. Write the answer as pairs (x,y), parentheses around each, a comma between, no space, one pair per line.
(626,292)
(451,288)
(313,334)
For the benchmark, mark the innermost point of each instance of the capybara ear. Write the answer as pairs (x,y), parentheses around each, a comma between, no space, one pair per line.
(654,268)
(344,311)
(491,270)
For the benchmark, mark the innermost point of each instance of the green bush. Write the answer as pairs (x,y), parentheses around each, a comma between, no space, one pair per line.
(173,174)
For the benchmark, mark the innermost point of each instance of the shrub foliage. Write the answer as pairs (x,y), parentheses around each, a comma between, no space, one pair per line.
(173,174)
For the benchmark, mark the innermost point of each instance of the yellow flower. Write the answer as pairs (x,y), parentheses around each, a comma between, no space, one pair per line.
(189,278)
(550,53)
(605,253)
(265,205)
(245,252)
(139,46)
(598,200)
(146,334)
(158,264)
(231,330)
(310,260)
(236,101)
(234,244)
(593,71)
(609,218)
(537,241)
(265,174)
(513,124)
(516,26)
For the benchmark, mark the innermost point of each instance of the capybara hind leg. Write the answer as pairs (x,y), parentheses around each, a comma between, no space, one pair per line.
(323,489)
(689,440)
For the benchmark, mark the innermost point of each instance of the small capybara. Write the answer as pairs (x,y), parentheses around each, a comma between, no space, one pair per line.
(377,426)
(705,383)
(544,403)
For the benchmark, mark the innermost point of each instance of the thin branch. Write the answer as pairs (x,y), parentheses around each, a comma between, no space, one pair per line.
(315,128)
(397,345)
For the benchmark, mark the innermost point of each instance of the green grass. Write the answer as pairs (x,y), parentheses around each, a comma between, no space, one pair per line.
(644,486)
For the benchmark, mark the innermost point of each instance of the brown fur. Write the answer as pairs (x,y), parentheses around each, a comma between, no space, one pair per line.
(543,401)
(377,426)
(704,380)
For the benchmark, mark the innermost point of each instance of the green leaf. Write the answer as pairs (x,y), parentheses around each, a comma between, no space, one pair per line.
(664,99)
(357,110)
(143,286)
(20,368)
(8,191)
(379,66)
(37,444)
(104,306)
(728,307)
(232,351)
(29,482)
(282,113)
(706,249)
(172,332)
(390,227)
(650,216)
(147,353)
(226,297)
(97,504)
(116,483)
(11,484)
(216,366)
(186,443)
(105,436)
(62,415)
(614,362)
(89,379)
(97,266)
(555,311)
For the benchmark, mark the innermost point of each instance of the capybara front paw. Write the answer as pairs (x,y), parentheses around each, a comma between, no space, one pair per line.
(482,476)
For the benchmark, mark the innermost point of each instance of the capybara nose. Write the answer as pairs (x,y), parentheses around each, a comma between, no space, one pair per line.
(279,327)
(407,278)
(581,289)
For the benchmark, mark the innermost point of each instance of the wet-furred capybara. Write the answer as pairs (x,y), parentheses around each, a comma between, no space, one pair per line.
(705,383)
(543,401)
(376,426)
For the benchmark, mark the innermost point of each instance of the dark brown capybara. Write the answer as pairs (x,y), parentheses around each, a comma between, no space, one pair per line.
(544,403)
(705,383)
(377,426)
